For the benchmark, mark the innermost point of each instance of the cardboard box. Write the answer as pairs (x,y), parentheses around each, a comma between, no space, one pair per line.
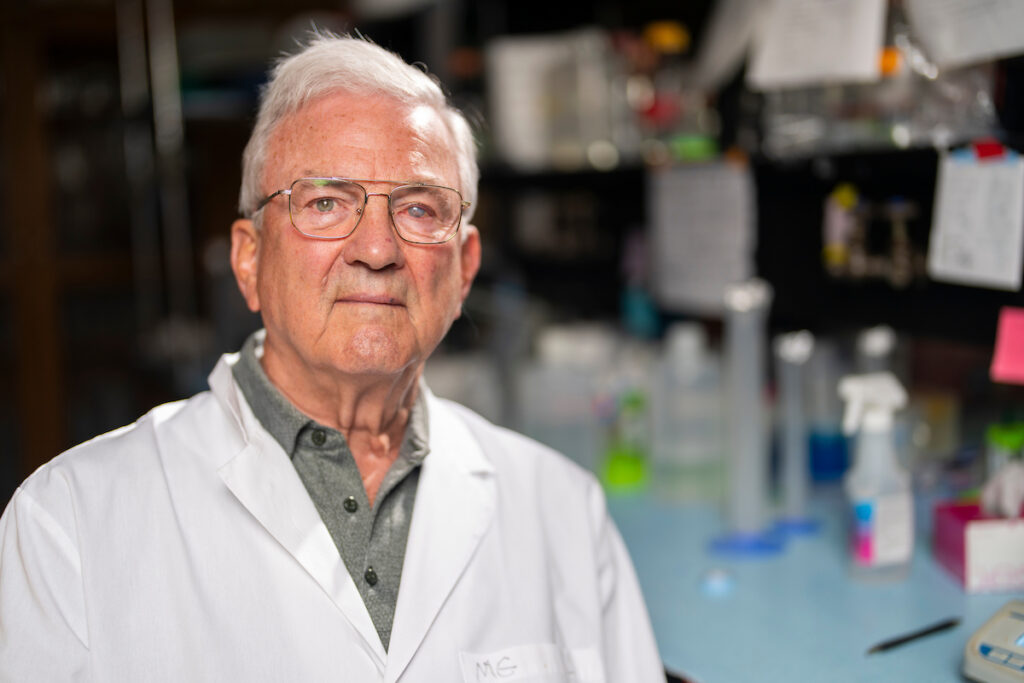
(985,553)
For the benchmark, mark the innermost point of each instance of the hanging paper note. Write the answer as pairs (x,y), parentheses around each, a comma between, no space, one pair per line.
(809,42)
(726,40)
(978,224)
(960,32)
(702,233)
(1008,357)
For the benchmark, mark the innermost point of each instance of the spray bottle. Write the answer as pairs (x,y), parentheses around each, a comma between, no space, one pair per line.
(878,488)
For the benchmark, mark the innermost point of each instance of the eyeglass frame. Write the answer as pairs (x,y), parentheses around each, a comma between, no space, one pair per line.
(463,205)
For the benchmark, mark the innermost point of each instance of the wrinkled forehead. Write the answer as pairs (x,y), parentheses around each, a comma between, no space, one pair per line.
(355,135)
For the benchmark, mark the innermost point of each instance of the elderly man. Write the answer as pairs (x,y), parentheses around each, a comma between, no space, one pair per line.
(319,515)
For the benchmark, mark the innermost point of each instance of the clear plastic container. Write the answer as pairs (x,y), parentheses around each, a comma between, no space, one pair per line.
(687,432)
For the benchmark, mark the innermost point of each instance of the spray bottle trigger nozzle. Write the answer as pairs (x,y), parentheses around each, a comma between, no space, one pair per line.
(871,399)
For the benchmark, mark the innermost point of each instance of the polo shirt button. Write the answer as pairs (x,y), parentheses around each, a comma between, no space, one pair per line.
(319,436)
(350,504)
(370,576)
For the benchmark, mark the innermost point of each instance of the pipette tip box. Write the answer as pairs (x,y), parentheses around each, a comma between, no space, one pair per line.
(985,553)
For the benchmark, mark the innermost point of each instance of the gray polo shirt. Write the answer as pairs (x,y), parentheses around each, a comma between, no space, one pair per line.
(371,540)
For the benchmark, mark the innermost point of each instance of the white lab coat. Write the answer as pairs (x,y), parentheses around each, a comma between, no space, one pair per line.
(184,547)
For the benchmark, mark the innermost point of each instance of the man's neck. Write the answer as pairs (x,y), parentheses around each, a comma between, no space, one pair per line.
(371,412)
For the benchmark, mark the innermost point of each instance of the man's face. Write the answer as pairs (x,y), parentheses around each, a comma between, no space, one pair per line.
(368,304)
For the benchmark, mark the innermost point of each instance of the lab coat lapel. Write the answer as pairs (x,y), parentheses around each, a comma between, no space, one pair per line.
(455,504)
(263,480)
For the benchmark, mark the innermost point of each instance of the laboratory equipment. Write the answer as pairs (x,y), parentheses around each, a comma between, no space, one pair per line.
(912,102)
(877,487)
(748,531)
(905,263)
(827,443)
(875,348)
(686,418)
(928,421)
(838,226)
(559,387)
(995,653)
(792,352)
(625,412)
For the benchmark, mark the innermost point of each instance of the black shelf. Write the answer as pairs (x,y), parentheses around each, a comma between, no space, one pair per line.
(790,204)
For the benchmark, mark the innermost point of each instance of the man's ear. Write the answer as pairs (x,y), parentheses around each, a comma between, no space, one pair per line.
(469,255)
(245,260)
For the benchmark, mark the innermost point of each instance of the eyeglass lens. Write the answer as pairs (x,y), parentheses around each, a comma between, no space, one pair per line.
(327,207)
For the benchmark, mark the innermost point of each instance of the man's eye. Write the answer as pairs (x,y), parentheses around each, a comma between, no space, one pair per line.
(417,211)
(325,204)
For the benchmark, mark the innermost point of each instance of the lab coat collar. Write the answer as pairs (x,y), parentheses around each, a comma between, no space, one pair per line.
(455,505)
(263,479)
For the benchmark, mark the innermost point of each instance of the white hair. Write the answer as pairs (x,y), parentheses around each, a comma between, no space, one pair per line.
(332,63)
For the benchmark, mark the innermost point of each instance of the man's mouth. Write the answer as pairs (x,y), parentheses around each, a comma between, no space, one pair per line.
(370,298)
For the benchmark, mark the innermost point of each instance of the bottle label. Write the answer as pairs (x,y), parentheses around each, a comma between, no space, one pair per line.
(883,530)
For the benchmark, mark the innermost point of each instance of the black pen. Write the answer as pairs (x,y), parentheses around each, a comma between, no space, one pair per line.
(927,631)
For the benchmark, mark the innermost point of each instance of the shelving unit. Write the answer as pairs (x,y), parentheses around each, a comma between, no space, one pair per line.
(70,329)
(75,328)
(790,201)
(561,234)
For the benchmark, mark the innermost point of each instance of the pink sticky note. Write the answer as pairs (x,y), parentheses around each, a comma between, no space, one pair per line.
(1008,359)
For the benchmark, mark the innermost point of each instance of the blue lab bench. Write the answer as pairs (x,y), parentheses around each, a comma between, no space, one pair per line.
(795,616)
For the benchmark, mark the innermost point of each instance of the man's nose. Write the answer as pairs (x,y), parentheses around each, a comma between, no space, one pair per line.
(374,243)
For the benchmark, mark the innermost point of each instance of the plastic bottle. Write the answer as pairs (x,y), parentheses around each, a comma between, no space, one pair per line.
(558,389)
(828,447)
(626,462)
(876,347)
(877,487)
(687,452)
(838,226)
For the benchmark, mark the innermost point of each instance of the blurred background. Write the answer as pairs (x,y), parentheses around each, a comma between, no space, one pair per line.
(637,157)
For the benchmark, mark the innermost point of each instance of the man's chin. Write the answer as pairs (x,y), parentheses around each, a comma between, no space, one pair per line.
(375,355)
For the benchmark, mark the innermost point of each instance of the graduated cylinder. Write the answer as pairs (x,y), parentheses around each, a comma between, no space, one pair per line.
(746,307)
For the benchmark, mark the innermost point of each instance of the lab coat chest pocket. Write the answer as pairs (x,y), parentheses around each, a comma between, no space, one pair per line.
(536,663)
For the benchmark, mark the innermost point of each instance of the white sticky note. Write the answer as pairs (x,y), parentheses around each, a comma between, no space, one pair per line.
(807,42)
(961,32)
(978,222)
(702,220)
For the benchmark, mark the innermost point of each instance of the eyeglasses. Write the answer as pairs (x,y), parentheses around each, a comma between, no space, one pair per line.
(331,208)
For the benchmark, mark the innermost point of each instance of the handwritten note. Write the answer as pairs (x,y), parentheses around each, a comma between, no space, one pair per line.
(960,32)
(807,42)
(538,663)
(978,222)
(702,234)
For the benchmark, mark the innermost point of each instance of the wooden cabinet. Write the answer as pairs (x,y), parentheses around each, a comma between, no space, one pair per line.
(66,298)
